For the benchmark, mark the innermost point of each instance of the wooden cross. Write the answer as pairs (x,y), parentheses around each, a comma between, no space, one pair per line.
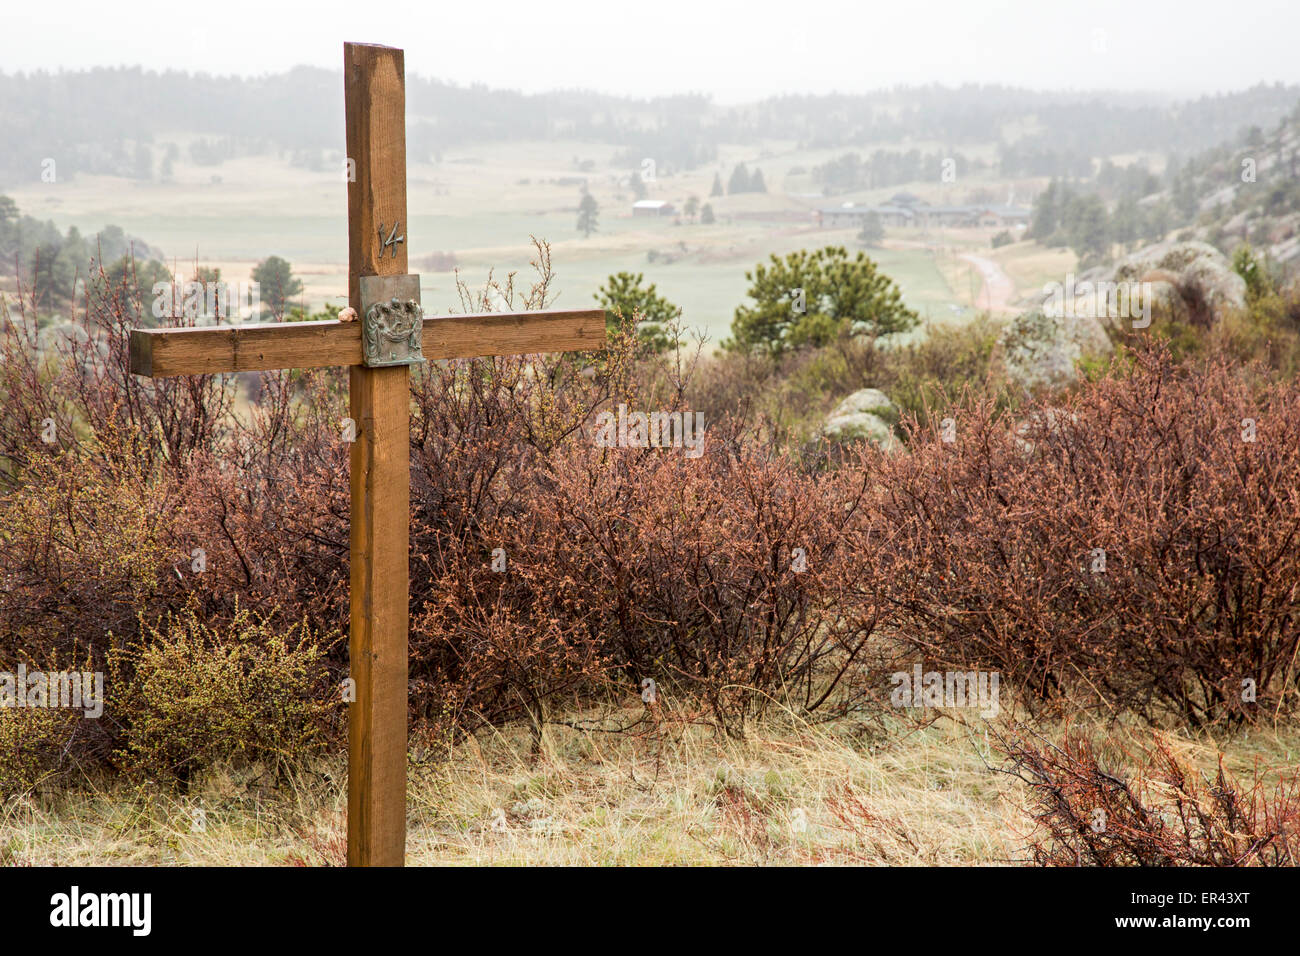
(375,97)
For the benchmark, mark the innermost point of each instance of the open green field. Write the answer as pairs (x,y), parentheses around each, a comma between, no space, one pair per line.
(484,203)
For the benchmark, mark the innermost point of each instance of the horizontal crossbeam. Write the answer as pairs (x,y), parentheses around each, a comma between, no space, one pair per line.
(205,350)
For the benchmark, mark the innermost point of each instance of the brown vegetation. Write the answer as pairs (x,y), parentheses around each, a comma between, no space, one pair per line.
(1163,814)
(764,572)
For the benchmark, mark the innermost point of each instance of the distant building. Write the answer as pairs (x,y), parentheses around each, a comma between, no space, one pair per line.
(1003,217)
(905,209)
(850,214)
(652,207)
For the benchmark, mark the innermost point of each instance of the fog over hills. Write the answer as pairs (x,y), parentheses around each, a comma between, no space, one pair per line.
(110,120)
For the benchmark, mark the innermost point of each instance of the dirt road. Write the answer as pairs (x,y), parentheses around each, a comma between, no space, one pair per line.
(998,289)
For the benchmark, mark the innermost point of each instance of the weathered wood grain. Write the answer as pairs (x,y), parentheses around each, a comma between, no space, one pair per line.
(380,515)
(375,99)
(375,106)
(160,353)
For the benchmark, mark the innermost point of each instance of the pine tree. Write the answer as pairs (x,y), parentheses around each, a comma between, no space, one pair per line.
(739,182)
(73,263)
(276,283)
(872,230)
(717,186)
(843,295)
(624,298)
(1047,212)
(587,210)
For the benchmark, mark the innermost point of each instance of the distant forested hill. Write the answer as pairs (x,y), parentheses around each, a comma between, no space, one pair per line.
(116,121)
(1244,190)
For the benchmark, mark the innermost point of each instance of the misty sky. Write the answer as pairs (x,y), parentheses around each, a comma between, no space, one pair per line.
(735,51)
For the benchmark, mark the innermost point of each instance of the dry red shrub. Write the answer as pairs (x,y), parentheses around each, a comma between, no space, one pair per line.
(742,577)
(1163,813)
(1133,545)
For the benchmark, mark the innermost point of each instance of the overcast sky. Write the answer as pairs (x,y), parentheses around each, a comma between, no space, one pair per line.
(734,50)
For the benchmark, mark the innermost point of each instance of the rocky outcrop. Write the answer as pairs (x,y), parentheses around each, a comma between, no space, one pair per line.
(1041,351)
(1188,282)
(868,415)
(1191,282)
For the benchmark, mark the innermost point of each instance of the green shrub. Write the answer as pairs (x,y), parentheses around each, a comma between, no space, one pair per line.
(32,743)
(948,362)
(795,392)
(1269,332)
(237,693)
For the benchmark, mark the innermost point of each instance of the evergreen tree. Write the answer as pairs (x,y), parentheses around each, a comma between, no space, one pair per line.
(43,272)
(717,186)
(1253,270)
(624,297)
(1124,222)
(1047,213)
(1157,221)
(841,296)
(872,230)
(1087,229)
(73,263)
(277,283)
(1186,200)
(739,182)
(587,210)
(8,229)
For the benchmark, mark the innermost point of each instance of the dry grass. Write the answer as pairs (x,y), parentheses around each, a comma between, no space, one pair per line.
(782,797)
(788,795)
(1031,266)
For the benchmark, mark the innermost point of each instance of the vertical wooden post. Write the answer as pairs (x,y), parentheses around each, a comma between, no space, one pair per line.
(375,102)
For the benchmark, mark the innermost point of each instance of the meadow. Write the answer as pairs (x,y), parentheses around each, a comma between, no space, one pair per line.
(483,204)
(923,794)
(529,743)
